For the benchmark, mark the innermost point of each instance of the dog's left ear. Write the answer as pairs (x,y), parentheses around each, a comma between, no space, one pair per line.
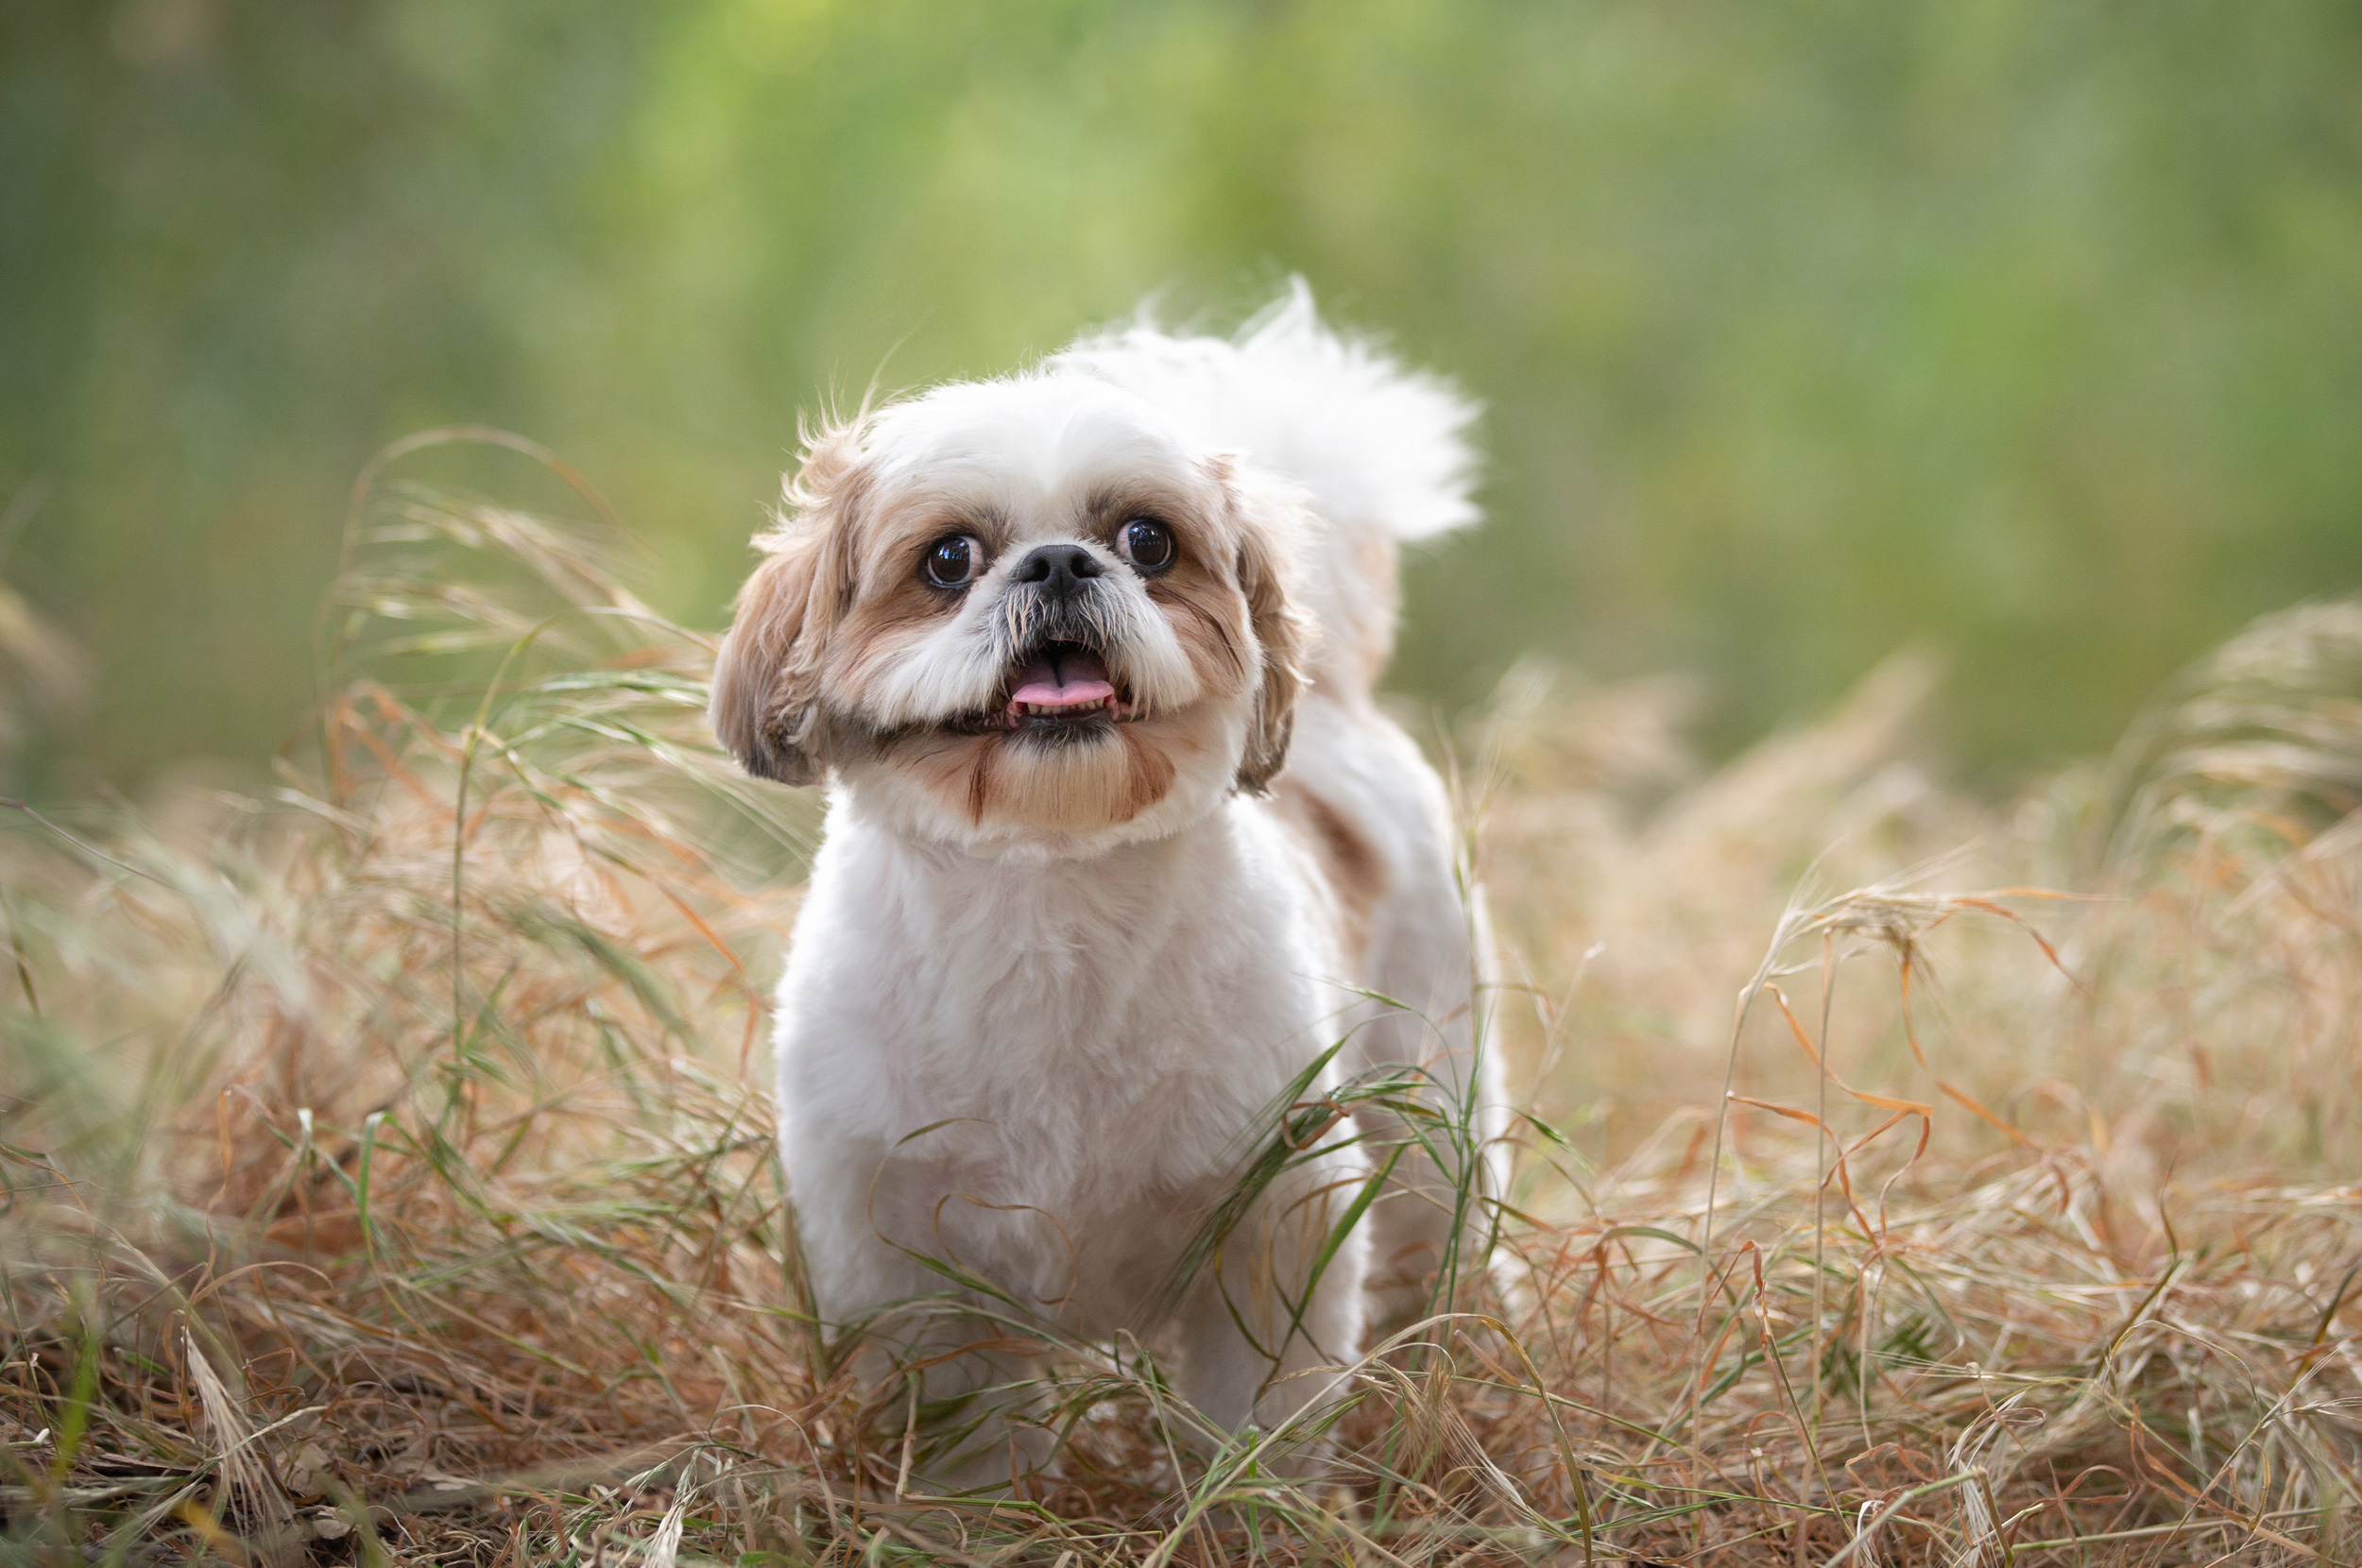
(1271,520)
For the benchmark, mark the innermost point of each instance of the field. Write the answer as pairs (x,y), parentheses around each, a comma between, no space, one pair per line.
(1907,1178)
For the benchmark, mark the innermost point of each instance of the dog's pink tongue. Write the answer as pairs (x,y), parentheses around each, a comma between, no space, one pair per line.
(1063,681)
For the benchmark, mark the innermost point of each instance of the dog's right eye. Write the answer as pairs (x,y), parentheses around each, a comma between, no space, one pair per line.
(951,560)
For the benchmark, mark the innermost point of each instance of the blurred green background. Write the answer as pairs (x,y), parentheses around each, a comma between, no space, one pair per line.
(2024,331)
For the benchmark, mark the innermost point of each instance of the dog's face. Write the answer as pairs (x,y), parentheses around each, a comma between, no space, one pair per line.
(1019,613)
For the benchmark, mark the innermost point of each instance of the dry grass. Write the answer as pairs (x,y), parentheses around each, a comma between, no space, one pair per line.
(386,1179)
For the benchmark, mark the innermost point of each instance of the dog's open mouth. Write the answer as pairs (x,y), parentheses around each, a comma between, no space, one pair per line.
(1057,688)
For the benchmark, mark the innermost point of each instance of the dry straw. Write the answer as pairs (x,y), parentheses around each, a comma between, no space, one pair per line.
(386,1179)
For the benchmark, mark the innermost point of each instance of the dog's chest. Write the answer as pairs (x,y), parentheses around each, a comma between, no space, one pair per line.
(1052,1075)
(1079,1073)
(1067,1149)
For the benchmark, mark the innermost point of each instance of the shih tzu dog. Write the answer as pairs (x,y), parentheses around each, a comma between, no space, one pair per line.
(1118,847)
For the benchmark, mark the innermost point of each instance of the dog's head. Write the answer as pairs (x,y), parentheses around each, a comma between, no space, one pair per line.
(1019,612)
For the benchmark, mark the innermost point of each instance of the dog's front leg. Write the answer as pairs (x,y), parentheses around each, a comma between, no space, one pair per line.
(1265,1329)
(971,1425)
(953,1385)
(954,1389)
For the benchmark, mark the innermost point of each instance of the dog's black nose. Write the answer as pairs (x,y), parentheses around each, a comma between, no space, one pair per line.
(1059,568)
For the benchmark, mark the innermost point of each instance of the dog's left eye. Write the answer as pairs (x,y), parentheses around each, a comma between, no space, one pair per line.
(951,561)
(1148,544)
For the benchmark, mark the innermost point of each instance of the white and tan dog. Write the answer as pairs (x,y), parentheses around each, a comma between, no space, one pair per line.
(1117,846)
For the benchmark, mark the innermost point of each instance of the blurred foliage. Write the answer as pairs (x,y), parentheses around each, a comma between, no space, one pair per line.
(2024,333)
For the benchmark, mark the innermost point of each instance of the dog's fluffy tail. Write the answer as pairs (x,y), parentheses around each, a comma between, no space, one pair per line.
(1381,450)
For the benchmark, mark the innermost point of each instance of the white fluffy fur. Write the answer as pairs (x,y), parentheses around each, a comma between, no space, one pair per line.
(1037,1054)
(1379,446)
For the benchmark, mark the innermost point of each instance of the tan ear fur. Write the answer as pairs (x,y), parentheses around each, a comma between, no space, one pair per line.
(1267,523)
(766,680)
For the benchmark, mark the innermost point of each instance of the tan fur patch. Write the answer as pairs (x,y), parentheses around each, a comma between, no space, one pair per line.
(1150,771)
(1263,520)
(1375,582)
(1070,786)
(768,675)
(767,678)
(1348,861)
(1208,619)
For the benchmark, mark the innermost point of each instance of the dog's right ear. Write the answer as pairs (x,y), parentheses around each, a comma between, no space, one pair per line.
(764,706)
(766,680)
